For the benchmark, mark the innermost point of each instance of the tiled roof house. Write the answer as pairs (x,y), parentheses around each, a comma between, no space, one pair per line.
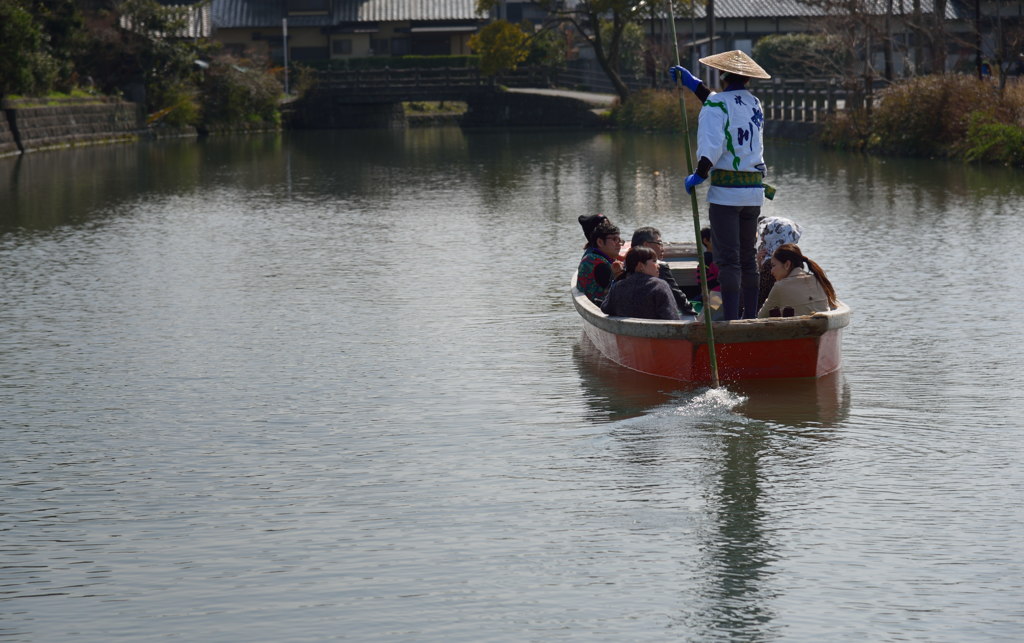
(339,29)
(739,24)
(322,29)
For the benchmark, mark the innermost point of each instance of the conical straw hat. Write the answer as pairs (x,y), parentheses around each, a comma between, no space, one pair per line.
(736,62)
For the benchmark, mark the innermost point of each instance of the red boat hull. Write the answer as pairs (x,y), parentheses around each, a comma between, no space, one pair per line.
(809,346)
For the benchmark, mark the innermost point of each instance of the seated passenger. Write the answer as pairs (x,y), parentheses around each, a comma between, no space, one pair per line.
(588,223)
(639,292)
(709,261)
(649,237)
(803,292)
(772,232)
(599,264)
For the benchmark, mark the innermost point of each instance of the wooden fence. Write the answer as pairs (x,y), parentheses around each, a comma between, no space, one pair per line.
(799,101)
(808,100)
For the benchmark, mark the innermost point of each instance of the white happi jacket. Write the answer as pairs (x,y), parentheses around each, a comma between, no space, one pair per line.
(730,134)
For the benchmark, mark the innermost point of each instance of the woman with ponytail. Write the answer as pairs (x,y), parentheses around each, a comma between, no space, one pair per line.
(804,291)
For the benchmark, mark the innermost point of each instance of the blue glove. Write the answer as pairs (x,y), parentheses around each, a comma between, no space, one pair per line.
(680,73)
(692,181)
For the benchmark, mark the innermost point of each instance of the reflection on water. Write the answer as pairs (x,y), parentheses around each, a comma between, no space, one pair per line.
(739,431)
(812,402)
(313,385)
(616,392)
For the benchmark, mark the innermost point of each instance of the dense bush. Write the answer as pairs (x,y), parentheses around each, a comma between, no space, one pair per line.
(990,141)
(236,92)
(658,110)
(801,55)
(939,116)
(181,105)
(929,115)
(846,130)
(26,66)
(501,45)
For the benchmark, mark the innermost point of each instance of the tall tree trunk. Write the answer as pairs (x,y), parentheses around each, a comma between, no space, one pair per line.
(940,45)
(918,52)
(887,48)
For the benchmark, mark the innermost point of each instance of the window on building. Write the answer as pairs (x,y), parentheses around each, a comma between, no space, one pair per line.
(341,47)
(400,46)
(308,54)
(380,46)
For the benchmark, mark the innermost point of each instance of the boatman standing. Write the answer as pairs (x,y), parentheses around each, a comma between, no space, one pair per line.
(730,150)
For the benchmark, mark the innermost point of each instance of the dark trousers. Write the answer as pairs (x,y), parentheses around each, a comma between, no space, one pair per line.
(734,235)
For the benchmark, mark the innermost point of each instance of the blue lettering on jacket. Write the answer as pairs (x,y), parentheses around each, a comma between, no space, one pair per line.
(758,118)
(744,135)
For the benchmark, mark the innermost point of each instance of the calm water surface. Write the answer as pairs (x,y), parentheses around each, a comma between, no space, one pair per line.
(331,386)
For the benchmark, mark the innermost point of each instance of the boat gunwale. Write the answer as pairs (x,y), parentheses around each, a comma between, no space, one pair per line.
(726,332)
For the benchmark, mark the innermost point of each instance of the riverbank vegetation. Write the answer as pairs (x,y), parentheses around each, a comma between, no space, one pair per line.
(951,116)
(139,49)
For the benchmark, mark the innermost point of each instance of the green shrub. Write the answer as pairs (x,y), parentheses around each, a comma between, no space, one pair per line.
(991,141)
(181,105)
(26,67)
(501,45)
(801,55)
(237,91)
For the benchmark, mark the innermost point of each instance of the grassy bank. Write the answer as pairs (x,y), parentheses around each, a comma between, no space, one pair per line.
(951,116)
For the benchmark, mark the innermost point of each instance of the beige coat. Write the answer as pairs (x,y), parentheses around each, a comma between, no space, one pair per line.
(800,291)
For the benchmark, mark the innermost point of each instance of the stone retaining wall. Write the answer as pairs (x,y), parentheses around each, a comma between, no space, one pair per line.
(70,121)
(8,145)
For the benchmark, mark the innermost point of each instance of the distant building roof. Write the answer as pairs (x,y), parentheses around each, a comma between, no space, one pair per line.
(195,20)
(268,13)
(797,8)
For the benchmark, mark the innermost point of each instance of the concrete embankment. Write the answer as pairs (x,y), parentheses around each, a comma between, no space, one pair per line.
(28,126)
(533,108)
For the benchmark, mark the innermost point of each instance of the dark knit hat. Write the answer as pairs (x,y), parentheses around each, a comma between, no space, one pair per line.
(590,222)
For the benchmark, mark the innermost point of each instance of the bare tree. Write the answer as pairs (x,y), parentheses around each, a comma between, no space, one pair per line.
(1007,44)
(587,18)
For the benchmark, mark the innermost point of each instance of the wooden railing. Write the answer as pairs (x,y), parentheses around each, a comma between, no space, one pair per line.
(808,100)
(799,101)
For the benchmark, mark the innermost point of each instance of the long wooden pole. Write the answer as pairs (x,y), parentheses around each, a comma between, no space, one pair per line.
(696,217)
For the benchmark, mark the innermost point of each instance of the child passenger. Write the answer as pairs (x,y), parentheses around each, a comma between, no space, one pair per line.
(639,292)
(804,292)
(709,261)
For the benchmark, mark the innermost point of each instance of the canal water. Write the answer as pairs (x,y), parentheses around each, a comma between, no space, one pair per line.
(330,386)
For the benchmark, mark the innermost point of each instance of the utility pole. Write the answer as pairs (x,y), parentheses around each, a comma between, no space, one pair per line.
(284,46)
(710,14)
(977,38)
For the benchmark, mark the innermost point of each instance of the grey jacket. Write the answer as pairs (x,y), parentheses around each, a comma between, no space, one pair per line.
(640,295)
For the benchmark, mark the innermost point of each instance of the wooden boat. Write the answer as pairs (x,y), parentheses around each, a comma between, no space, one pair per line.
(806,346)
